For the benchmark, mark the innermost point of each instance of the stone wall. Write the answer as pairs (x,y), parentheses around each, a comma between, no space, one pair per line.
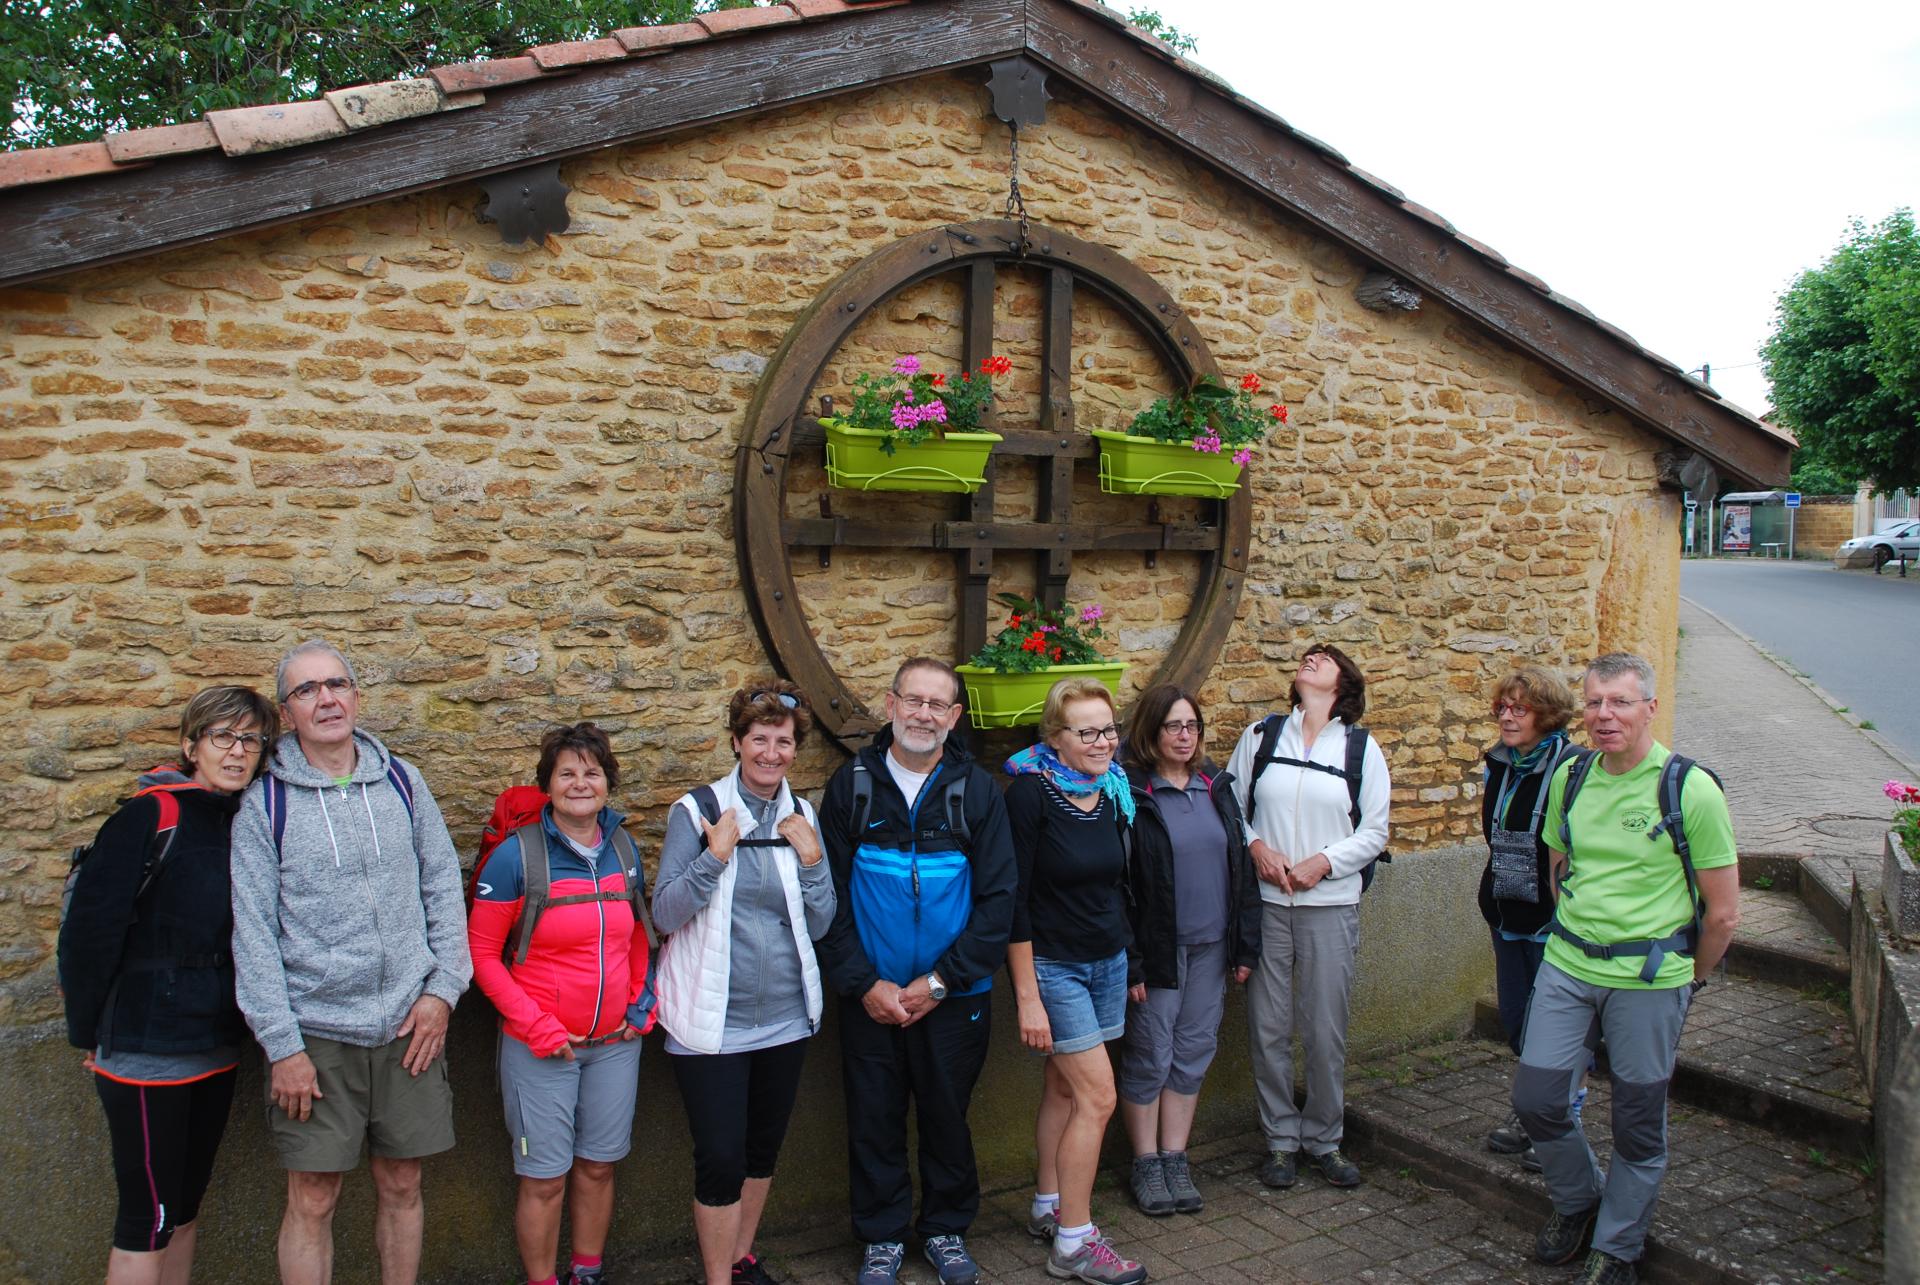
(500,478)
(1823,524)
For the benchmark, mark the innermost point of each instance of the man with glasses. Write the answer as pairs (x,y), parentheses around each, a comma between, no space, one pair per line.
(350,949)
(922,857)
(1642,838)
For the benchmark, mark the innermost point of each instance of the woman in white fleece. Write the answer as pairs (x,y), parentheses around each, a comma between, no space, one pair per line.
(1311,841)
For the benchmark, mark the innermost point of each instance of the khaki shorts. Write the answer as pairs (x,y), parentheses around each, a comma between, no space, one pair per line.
(370,1098)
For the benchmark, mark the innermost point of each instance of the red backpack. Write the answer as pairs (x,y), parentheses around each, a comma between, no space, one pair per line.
(513,807)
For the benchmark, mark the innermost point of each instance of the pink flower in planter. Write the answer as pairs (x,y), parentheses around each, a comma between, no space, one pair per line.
(908,365)
(1242,457)
(1090,613)
(1902,793)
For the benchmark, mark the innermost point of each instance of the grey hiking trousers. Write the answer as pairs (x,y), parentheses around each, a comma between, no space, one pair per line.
(1642,1032)
(1303,985)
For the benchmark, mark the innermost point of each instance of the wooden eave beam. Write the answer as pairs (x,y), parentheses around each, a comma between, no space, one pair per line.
(1245,146)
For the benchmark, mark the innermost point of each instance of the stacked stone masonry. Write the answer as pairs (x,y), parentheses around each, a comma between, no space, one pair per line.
(500,477)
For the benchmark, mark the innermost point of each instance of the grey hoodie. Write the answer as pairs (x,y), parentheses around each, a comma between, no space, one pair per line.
(358,913)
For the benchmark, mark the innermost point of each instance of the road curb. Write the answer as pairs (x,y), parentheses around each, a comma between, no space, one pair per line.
(1879,742)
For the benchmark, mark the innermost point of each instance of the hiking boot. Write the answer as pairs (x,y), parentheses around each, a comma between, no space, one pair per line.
(1509,1139)
(1280,1169)
(950,1259)
(1186,1197)
(1530,1160)
(1336,1169)
(1097,1263)
(1150,1186)
(1043,1226)
(1604,1269)
(881,1266)
(751,1271)
(1564,1236)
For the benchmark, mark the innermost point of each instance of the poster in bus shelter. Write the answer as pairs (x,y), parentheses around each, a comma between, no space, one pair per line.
(1736,528)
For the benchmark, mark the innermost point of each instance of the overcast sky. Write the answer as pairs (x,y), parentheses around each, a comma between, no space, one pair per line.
(1671,166)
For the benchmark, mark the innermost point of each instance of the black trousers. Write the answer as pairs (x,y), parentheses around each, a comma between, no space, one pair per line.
(738,1105)
(165,1137)
(935,1064)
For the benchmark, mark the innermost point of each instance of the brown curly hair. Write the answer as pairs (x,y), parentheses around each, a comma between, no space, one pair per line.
(770,700)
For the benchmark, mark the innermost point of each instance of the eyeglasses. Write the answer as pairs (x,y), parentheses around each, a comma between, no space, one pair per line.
(1094,735)
(785,698)
(1616,704)
(1176,729)
(225,740)
(307,692)
(917,703)
(1504,708)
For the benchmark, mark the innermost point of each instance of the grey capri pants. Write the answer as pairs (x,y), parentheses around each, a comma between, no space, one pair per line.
(1171,1038)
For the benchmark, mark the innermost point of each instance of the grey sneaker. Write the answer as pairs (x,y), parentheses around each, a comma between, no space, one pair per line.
(1509,1139)
(881,1266)
(1280,1169)
(1336,1168)
(1564,1236)
(1150,1186)
(1604,1269)
(950,1259)
(1186,1196)
(1097,1263)
(1043,1226)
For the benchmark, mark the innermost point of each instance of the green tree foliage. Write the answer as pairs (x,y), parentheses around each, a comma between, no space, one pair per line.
(1150,21)
(71,70)
(1844,358)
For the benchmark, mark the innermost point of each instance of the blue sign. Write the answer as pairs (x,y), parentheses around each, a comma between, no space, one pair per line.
(1793,499)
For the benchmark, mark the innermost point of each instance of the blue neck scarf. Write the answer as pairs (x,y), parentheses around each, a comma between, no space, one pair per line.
(1040,760)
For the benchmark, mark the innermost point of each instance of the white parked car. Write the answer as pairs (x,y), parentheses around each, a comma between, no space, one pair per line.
(1902,539)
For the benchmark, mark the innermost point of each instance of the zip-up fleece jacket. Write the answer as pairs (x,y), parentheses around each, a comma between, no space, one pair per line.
(152,974)
(1154,957)
(357,914)
(587,963)
(910,900)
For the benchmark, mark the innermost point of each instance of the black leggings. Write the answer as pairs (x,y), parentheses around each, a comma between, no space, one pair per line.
(737,1109)
(165,1137)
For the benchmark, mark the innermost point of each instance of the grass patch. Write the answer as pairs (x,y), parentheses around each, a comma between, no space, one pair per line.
(1763,882)
(1866,725)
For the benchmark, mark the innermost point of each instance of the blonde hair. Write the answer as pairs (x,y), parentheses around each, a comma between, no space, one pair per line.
(1053,719)
(1550,696)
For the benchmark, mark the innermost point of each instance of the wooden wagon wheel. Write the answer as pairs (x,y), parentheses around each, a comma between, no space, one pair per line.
(778,424)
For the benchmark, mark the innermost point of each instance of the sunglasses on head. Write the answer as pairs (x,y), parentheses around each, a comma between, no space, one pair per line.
(785,698)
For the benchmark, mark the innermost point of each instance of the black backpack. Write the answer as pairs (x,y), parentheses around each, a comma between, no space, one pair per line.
(953,801)
(1264,755)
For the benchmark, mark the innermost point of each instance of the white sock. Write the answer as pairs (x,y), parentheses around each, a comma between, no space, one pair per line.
(1067,1241)
(1045,1203)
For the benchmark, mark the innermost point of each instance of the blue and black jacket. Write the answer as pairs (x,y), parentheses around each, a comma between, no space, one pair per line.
(912,898)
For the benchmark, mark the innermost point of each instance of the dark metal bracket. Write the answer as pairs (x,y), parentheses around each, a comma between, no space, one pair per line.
(1019,88)
(528,204)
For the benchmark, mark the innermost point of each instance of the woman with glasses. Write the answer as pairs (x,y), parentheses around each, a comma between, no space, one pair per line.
(145,966)
(569,990)
(742,895)
(1532,706)
(1196,919)
(1069,805)
(1311,843)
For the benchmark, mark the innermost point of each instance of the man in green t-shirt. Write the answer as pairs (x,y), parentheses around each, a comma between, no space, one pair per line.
(1622,962)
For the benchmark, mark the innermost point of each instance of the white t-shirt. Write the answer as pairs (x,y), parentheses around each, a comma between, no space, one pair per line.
(909,781)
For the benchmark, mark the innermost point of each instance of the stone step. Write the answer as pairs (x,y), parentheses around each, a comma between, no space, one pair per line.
(1781,939)
(1740,1204)
(1767,1054)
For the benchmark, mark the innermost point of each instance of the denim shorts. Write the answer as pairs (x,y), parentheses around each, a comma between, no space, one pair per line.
(1086,1003)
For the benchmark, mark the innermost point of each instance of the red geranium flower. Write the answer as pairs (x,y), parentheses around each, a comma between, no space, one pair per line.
(1250,382)
(1280,413)
(939,381)
(995,365)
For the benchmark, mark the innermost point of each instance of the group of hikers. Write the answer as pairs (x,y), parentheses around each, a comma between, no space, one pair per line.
(291,884)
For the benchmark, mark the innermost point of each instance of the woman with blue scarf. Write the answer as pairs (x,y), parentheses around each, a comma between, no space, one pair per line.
(1068,806)
(1532,706)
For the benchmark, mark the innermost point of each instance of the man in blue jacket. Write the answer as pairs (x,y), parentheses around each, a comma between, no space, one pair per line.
(922,857)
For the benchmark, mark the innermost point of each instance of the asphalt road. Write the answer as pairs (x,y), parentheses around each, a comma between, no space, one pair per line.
(1854,633)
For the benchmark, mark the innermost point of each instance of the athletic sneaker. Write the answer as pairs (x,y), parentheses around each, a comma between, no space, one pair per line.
(1604,1269)
(1186,1197)
(881,1266)
(1150,1186)
(1509,1139)
(1564,1236)
(1336,1168)
(950,1259)
(1043,1226)
(589,1276)
(1280,1168)
(751,1271)
(1097,1263)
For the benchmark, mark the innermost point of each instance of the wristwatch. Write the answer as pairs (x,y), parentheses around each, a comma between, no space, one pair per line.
(1696,984)
(936,987)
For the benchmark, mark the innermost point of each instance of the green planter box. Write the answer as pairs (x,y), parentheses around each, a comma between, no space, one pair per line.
(995,699)
(1143,466)
(950,462)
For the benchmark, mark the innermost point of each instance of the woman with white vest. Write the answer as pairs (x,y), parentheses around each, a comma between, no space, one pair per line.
(741,894)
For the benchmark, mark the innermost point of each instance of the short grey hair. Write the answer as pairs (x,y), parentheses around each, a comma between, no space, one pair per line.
(311,646)
(1617,663)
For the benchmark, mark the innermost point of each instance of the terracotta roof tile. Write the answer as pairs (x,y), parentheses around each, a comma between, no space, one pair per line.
(638,40)
(1375,181)
(1319,146)
(245,131)
(811,9)
(723,22)
(1522,274)
(577,53)
(365,106)
(1573,305)
(1421,212)
(488,73)
(1482,249)
(46,164)
(162,140)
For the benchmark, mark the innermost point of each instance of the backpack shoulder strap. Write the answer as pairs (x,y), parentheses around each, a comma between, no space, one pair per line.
(397,774)
(536,885)
(1262,757)
(708,802)
(1356,760)
(629,857)
(1673,780)
(1581,763)
(862,802)
(276,800)
(956,797)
